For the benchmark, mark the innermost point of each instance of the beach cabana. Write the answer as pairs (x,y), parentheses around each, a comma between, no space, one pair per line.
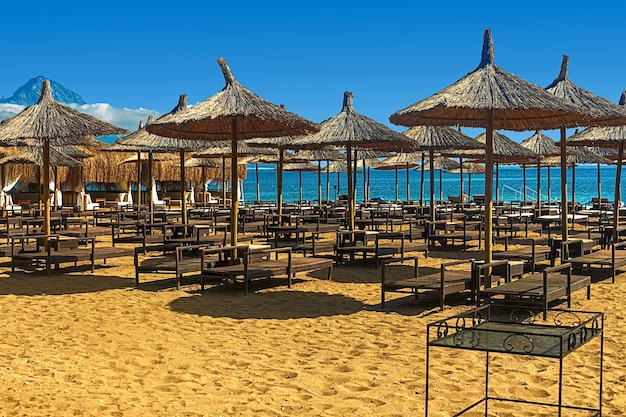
(491,98)
(234,114)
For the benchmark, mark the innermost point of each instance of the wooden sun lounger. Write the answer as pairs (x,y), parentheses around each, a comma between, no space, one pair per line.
(170,259)
(217,265)
(531,252)
(59,250)
(537,289)
(447,281)
(370,244)
(613,258)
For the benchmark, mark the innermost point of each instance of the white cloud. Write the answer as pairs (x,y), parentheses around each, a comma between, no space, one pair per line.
(124,117)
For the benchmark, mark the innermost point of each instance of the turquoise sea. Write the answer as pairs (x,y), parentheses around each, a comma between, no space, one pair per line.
(382,184)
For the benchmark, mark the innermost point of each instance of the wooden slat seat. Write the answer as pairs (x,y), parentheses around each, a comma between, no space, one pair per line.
(613,258)
(447,281)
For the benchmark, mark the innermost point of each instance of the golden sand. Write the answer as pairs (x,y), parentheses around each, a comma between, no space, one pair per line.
(87,344)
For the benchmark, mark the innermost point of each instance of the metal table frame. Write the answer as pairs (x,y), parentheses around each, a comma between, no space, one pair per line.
(497,329)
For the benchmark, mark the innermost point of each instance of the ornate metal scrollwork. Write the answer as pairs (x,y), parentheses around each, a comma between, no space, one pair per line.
(571,342)
(477,318)
(442,329)
(574,319)
(595,326)
(460,338)
(583,335)
(519,341)
(460,324)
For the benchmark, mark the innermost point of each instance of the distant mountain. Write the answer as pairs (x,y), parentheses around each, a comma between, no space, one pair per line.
(29,93)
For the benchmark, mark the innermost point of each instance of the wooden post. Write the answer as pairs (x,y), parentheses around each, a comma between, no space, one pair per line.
(488,186)
(46,189)
(183,185)
(618,197)
(564,216)
(234,194)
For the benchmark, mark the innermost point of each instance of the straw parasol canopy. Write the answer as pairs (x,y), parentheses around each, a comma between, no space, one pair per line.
(491,98)
(352,130)
(51,123)
(440,163)
(401,160)
(326,154)
(606,113)
(438,138)
(234,113)
(35,155)
(543,147)
(300,167)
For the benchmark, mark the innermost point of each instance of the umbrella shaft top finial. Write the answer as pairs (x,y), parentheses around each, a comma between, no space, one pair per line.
(487,53)
(347,101)
(46,91)
(563,73)
(182,103)
(228,75)
(622,99)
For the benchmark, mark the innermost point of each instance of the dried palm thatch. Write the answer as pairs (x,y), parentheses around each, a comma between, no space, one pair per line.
(608,153)
(605,137)
(541,145)
(201,162)
(433,138)
(515,103)
(34,155)
(401,160)
(337,166)
(300,166)
(469,168)
(212,118)
(579,155)
(328,154)
(144,156)
(441,163)
(504,150)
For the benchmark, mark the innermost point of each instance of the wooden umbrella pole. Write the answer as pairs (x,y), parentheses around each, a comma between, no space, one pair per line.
(319,183)
(599,186)
(462,187)
(46,189)
(573,193)
(152,183)
(488,185)
(203,187)
(258,186)
(549,185)
(354,178)
(183,185)
(397,196)
(618,197)
(138,181)
(224,180)
(538,183)
(422,182)
(300,184)
(351,207)
(327,181)
(364,182)
(279,181)
(524,181)
(408,185)
(497,181)
(564,216)
(234,181)
(431,178)
(441,184)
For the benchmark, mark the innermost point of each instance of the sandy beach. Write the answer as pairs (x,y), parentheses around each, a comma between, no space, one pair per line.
(87,344)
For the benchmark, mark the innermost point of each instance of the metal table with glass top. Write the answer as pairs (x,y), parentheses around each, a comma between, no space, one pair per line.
(503,330)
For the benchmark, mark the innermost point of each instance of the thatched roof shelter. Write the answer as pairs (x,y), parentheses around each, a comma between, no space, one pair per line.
(469,168)
(52,123)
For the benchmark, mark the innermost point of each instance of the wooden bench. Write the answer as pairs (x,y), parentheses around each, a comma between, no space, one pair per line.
(367,243)
(531,252)
(446,282)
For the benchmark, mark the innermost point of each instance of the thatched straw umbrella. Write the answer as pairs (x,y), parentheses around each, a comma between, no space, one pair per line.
(491,98)
(438,138)
(544,147)
(319,155)
(578,155)
(605,114)
(401,160)
(223,150)
(300,167)
(469,168)
(607,137)
(365,160)
(441,163)
(52,123)
(505,151)
(338,167)
(352,130)
(234,113)
(144,140)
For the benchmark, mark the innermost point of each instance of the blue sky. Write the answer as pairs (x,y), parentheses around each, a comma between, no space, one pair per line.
(140,54)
